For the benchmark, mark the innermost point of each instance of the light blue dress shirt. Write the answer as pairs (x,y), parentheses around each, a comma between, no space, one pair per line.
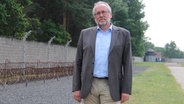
(102,46)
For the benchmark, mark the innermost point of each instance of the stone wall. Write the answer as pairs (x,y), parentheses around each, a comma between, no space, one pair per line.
(12,50)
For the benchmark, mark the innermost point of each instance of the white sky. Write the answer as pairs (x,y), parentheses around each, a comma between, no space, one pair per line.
(166,22)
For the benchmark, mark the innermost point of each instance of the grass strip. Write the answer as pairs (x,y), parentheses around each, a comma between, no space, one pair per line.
(156,85)
(182,64)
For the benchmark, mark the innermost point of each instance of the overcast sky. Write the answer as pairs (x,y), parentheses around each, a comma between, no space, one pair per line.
(166,20)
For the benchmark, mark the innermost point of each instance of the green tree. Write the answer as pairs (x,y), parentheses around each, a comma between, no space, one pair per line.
(148,45)
(45,18)
(36,29)
(64,17)
(80,16)
(13,22)
(136,25)
(172,51)
(73,15)
(51,29)
(120,13)
(24,3)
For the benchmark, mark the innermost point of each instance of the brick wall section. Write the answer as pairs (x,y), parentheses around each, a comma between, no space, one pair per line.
(11,50)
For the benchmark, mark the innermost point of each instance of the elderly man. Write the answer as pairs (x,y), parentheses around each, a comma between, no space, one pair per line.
(103,68)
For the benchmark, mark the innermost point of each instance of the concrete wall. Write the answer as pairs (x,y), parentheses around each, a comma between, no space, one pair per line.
(175,60)
(137,59)
(12,50)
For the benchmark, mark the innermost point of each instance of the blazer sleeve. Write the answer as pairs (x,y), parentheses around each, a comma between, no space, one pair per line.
(127,65)
(78,65)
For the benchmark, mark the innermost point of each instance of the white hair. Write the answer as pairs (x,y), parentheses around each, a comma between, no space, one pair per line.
(101,2)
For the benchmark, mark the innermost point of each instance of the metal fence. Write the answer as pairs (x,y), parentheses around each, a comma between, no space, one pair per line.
(18,72)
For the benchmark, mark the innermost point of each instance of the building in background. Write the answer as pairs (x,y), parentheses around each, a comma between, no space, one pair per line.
(152,56)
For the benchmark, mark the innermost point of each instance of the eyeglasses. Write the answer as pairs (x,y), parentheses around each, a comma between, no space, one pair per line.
(102,12)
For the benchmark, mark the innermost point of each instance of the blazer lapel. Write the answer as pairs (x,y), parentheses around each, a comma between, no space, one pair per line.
(114,37)
(93,39)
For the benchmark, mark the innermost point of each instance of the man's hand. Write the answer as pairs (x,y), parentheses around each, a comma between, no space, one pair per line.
(124,97)
(76,95)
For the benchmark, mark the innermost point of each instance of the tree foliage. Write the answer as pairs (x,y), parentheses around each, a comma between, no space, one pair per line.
(65,19)
(136,25)
(13,20)
(148,45)
(171,51)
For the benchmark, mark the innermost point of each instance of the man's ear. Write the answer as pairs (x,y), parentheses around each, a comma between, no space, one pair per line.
(110,15)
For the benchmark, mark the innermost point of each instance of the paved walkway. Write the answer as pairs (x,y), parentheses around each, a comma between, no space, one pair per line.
(178,72)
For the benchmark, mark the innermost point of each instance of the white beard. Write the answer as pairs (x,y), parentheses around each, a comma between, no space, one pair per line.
(103,23)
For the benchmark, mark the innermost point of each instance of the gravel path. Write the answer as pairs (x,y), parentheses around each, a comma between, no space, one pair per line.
(51,92)
(178,72)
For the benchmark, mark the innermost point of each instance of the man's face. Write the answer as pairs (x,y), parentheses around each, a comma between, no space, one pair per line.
(102,15)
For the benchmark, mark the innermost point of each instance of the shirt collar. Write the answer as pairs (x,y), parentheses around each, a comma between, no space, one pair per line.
(110,28)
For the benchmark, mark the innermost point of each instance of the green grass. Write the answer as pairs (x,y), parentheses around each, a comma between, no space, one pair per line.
(182,64)
(156,85)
